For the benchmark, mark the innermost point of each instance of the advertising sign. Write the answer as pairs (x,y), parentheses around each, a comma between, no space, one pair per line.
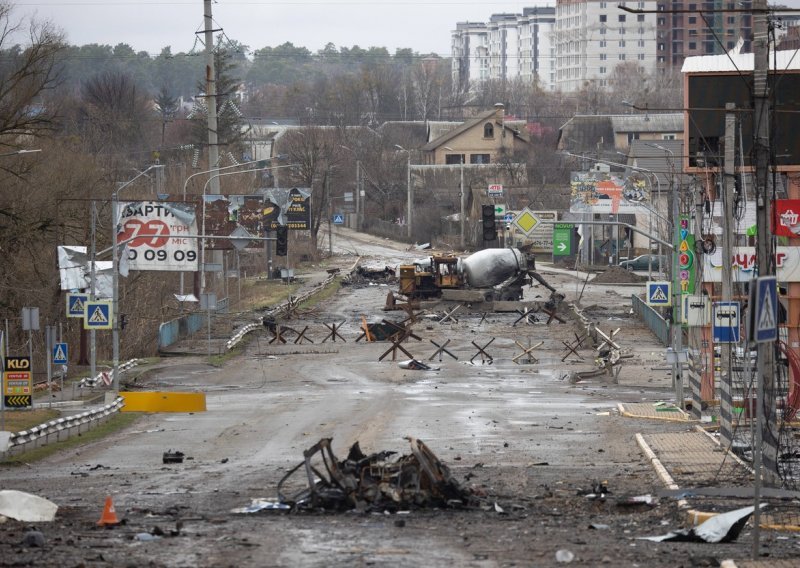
(686,257)
(156,231)
(743,259)
(17,382)
(786,217)
(495,190)
(603,192)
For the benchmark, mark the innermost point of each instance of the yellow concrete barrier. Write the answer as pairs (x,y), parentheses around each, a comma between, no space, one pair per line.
(161,401)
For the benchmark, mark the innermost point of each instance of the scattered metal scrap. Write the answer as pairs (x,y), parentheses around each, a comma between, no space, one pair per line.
(379,481)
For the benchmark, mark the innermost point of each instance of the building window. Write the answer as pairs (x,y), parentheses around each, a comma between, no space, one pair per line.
(488,130)
(640,43)
(640,18)
(622,43)
(640,56)
(731,19)
(661,22)
(693,33)
(622,57)
(660,47)
(602,31)
(602,43)
(622,31)
(632,136)
(692,45)
(479,158)
(692,20)
(603,18)
(668,137)
(602,70)
(641,31)
(603,57)
(622,17)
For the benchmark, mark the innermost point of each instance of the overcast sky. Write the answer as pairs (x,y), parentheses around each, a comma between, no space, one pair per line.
(148,25)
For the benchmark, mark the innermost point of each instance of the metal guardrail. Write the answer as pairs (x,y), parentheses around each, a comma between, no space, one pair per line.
(658,325)
(284,307)
(107,377)
(62,428)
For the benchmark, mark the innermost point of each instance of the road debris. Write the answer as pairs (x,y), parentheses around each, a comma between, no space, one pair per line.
(172,457)
(380,481)
(257,505)
(33,539)
(26,507)
(416,365)
(724,527)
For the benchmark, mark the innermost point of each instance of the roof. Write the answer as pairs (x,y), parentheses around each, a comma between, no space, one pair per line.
(646,155)
(437,129)
(510,126)
(736,62)
(671,122)
(586,131)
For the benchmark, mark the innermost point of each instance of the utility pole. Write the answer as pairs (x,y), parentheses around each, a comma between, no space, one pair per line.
(358,195)
(728,187)
(211,95)
(766,443)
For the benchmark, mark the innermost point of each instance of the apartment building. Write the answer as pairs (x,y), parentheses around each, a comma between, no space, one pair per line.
(592,37)
(508,47)
(687,29)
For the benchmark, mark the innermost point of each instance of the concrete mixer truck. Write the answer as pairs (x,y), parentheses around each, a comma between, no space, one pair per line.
(486,276)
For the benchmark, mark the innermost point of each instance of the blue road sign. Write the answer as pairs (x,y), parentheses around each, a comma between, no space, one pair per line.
(338,219)
(75,304)
(508,217)
(765,323)
(725,322)
(659,294)
(60,352)
(98,315)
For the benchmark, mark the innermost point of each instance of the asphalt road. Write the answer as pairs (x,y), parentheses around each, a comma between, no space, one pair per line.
(523,434)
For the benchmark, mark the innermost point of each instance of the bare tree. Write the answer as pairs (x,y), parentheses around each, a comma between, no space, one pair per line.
(27,73)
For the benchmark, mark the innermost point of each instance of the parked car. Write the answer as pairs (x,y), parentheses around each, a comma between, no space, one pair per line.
(641,262)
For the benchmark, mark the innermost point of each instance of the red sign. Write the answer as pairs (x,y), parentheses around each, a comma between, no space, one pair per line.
(786,217)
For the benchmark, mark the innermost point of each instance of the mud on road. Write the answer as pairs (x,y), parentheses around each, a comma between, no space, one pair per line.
(533,445)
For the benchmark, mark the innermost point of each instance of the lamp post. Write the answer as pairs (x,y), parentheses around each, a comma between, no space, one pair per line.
(677,331)
(410,195)
(358,186)
(463,196)
(115,225)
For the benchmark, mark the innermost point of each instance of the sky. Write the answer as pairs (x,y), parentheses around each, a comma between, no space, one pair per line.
(149,25)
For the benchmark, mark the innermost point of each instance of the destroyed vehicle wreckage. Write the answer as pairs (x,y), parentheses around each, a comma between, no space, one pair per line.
(380,481)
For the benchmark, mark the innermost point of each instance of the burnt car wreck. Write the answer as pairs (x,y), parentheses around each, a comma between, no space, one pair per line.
(380,481)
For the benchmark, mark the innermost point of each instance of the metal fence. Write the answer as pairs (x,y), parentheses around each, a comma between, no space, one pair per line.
(652,319)
(171,331)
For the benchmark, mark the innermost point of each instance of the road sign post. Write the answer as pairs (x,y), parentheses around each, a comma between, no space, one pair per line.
(763,314)
(725,322)
(659,294)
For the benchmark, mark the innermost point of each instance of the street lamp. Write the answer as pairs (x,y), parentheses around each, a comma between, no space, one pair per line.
(358,185)
(115,226)
(677,331)
(463,197)
(409,196)
(18,152)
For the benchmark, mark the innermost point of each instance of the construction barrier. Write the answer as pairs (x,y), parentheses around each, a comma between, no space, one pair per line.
(163,401)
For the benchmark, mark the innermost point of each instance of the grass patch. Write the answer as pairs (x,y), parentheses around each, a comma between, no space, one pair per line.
(261,294)
(117,422)
(18,420)
(221,359)
(325,294)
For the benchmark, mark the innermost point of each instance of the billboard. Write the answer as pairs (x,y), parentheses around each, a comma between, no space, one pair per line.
(604,192)
(155,235)
(743,260)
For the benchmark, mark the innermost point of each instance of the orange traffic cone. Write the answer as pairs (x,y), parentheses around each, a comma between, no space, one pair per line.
(109,517)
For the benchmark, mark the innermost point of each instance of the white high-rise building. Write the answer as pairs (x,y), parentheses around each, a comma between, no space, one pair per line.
(510,46)
(592,37)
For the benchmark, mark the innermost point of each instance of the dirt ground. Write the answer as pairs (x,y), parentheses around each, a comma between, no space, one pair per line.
(530,440)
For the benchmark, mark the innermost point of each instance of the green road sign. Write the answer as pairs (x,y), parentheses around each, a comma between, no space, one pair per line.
(562,239)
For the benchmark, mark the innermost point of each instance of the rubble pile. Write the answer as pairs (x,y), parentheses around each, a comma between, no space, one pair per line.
(617,275)
(365,275)
(380,481)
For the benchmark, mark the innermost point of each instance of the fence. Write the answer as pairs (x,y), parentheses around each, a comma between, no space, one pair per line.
(61,428)
(171,331)
(658,325)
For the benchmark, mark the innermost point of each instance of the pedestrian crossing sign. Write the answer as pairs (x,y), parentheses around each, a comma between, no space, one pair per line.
(765,308)
(338,219)
(98,315)
(60,354)
(75,304)
(659,294)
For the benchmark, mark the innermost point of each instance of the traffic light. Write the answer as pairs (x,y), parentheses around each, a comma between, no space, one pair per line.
(281,241)
(123,321)
(489,228)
